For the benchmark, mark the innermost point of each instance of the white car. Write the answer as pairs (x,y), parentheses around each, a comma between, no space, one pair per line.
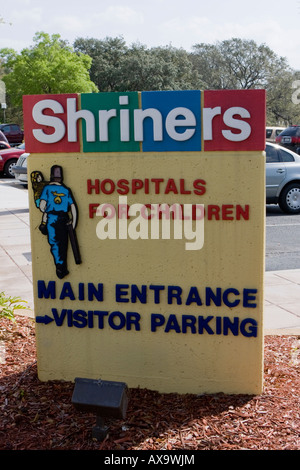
(272,133)
(20,169)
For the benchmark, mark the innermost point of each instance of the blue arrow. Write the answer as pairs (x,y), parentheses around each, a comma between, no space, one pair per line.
(45,319)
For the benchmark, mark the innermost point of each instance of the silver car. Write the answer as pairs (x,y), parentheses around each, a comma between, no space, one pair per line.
(20,169)
(283,178)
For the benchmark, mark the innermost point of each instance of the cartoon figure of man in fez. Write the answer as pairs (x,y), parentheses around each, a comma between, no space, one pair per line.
(56,202)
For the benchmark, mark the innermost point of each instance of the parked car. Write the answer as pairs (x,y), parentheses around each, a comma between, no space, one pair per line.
(283,178)
(272,133)
(4,145)
(20,169)
(290,138)
(3,139)
(8,159)
(13,133)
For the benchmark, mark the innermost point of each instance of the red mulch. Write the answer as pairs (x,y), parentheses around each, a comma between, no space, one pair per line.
(40,416)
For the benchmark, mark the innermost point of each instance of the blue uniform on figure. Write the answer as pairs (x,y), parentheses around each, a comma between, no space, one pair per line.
(56,201)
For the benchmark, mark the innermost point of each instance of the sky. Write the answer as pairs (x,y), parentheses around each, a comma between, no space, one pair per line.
(180,23)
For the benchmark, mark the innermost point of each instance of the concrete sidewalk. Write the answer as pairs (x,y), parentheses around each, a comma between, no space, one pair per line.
(282,288)
(15,246)
(282,302)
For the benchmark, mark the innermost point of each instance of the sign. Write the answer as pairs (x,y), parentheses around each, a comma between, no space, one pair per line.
(159,121)
(147,224)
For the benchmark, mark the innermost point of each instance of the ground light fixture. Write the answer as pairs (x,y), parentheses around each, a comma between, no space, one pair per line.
(102,397)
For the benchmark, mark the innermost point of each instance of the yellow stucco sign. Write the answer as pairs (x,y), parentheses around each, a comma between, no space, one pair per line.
(147,227)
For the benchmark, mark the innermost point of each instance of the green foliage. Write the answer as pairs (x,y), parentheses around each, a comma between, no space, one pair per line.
(50,66)
(8,305)
(236,64)
(231,64)
(107,60)
(281,109)
(116,67)
(7,57)
(242,64)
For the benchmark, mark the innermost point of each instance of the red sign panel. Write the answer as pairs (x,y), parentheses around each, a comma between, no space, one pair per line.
(234,120)
(45,124)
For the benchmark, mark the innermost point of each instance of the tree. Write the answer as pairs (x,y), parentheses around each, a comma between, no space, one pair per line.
(116,67)
(50,66)
(107,58)
(283,103)
(236,63)
(242,64)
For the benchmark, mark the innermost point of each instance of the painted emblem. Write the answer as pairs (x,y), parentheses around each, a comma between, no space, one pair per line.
(60,216)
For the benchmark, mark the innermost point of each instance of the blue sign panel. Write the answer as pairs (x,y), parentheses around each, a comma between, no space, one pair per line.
(171,120)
